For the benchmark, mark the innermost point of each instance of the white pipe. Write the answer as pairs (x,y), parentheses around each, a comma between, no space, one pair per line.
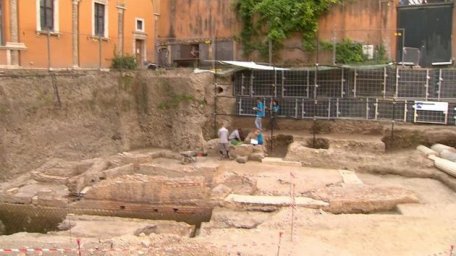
(448,154)
(444,165)
(427,151)
(440,147)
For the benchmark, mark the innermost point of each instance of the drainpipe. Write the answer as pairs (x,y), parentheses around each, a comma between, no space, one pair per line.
(14,33)
(75,34)
(120,25)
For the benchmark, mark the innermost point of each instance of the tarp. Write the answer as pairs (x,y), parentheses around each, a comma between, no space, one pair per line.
(251,65)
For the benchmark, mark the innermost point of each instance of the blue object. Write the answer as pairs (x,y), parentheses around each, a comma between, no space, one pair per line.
(260,109)
(260,138)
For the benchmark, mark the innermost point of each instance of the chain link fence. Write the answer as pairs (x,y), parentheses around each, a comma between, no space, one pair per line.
(360,93)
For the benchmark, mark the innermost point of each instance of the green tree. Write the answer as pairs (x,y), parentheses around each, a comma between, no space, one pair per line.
(275,20)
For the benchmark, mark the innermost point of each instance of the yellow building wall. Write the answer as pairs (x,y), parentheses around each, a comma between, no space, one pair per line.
(90,47)
(144,11)
(36,55)
(61,43)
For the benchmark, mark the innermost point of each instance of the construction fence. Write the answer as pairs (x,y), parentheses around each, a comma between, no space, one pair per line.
(360,93)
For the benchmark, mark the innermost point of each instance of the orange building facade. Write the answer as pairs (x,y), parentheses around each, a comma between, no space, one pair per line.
(75,33)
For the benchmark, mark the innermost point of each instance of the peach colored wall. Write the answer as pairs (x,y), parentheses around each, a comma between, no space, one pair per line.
(5,19)
(89,46)
(195,19)
(2,57)
(366,21)
(61,56)
(36,55)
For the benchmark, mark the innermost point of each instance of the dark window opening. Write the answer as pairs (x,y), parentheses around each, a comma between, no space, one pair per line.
(99,19)
(47,14)
(139,25)
(421,2)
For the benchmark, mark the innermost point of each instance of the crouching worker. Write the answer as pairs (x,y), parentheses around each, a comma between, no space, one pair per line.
(255,138)
(235,137)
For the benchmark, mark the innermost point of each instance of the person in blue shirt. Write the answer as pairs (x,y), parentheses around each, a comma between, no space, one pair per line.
(260,137)
(260,113)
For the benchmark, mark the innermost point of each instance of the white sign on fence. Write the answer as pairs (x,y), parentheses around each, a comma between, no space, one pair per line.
(431,106)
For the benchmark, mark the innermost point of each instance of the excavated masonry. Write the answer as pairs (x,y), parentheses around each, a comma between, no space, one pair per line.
(101,159)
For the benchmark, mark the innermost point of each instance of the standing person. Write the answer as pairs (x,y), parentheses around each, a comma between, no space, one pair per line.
(224,147)
(260,113)
(275,108)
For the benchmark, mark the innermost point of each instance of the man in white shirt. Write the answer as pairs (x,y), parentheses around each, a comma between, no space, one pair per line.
(224,145)
(235,137)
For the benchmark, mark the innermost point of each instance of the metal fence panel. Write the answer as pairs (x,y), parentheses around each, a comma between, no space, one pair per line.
(412,83)
(447,79)
(262,83)
(296,83)
(290,108)
(352,108)
(329,83)
(369,82)
(318,109)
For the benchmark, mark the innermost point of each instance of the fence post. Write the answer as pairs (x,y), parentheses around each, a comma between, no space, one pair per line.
(342,81)
(376,109)
(385,75)
(439,92)
(242,84)
(251,83)
(337,108)
(275,83)
(405,111)
(296,109)
(396,93)
(308,83)
(355,75)
(329,108)
(316,81)
(392,123)
(427,83)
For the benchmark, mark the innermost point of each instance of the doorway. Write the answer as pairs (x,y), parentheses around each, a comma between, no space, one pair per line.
(140,52)
(427,28)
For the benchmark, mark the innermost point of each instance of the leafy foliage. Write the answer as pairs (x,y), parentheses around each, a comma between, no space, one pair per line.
(275,20)
(349,51)
(124,62)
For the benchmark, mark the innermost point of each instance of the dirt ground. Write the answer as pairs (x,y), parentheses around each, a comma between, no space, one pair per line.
(96,154)
(401,208)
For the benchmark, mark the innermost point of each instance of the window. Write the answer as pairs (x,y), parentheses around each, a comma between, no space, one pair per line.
(99,18)
(47,14)
(1,22)
(139,25)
